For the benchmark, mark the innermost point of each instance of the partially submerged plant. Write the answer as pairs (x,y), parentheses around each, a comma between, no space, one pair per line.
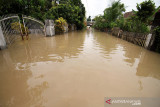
(60,23)
(19,27)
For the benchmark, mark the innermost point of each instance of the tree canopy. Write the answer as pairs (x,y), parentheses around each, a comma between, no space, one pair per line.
(113,12)
(35,8)
(145,10)
(89,18)
(113,17)
(71,10)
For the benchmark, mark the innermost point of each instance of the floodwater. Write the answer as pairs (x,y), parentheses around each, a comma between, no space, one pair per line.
(77,69)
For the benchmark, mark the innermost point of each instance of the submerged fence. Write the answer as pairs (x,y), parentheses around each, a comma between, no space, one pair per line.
(33,25)
(8,34)
(12,27)
(141,39)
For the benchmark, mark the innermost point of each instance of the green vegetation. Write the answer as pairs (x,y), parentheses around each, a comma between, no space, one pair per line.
(99,23)
(89,18)
(156,44)
(145,10)
(16,26)
(59,27)
(111,14)
(113,17)
(73,11)
(133,24)
(34,8)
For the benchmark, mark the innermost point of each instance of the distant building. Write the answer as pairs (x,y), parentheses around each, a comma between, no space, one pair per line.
(156,21)
(128,14)
(90,23)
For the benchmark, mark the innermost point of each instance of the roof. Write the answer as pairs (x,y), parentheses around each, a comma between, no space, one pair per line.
(128,14)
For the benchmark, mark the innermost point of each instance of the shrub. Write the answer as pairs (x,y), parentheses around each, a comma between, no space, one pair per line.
(112,13)
(100,23)
(59,27)
(133,24)
(73,14)
(16,26)
(120,22)
(112,25)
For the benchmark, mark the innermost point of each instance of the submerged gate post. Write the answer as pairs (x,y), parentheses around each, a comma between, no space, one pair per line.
(20,25)
(2,40)
(24,26)
(49,28)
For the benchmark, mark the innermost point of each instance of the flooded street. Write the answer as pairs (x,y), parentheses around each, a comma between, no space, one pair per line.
(77,69)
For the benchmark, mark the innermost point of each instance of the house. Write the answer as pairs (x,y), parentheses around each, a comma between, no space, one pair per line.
(128,14)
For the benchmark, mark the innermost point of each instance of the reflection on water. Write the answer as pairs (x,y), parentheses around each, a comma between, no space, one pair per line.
(77,69)
(149,65)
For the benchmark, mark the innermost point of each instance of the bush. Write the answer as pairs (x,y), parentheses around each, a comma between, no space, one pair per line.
(100,23)
(135,25)
(71,13)
(120,22)
(59,27)
(112,25)
(16,26)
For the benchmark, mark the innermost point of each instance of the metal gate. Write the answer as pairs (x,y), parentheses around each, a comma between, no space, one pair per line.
(11,27)
(9,32)
(33,25)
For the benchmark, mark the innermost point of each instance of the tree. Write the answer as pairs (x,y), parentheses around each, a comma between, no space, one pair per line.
(145,10)
(113,12)
(34,8)
(10,6)
(93,19)
(100,23)
(70,11)
(89,18)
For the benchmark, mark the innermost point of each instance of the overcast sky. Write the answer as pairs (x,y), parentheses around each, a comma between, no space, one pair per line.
(96,7)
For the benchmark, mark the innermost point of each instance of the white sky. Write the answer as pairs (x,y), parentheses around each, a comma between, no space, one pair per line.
(96,7)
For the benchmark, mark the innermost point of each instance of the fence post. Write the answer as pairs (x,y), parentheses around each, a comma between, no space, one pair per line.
(20,25)
(2,40)
(24,26)
(45,30)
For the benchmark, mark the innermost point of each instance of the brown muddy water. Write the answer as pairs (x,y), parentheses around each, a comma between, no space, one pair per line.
(77,69)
